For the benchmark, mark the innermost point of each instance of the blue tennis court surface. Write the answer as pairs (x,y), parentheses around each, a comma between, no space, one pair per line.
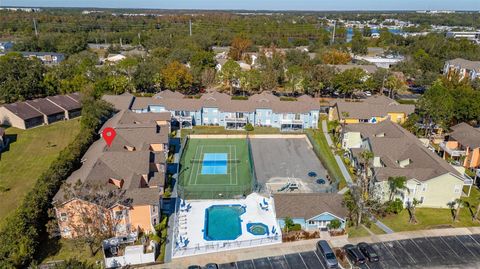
(214,164)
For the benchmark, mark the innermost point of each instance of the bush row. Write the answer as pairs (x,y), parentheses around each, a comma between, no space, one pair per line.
(22,230)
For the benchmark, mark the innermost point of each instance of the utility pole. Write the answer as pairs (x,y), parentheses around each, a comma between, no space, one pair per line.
(333,33)
(35,26)
(190,26)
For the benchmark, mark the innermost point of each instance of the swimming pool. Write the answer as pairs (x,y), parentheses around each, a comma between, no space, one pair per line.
(257,228)
(222,222)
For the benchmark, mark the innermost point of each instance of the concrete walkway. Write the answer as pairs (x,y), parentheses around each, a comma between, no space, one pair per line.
(382,226)
(339,161)
(306,245)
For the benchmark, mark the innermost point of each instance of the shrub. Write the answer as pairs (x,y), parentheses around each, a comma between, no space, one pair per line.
(334,224)
(395,206)
(249,127)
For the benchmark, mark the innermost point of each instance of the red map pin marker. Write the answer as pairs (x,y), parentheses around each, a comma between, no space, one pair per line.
(108,135)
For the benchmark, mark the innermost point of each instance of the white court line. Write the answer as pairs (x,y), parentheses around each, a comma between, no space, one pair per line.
(198,167)
(193,164)
(229,169)
(236,167)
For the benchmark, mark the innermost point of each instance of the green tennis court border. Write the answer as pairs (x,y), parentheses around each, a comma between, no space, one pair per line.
(237,182)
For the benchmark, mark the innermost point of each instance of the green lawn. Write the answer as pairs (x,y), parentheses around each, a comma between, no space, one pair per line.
(357,232)
(325,155)
(431,218)
(29,156)
(222,130)
(374,228)
(64,249)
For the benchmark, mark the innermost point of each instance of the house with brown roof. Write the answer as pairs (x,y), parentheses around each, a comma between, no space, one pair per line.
(398,153)
(219,109)
(20,115)
(369,110)
(123,182)
(313,211)
(462,68)
(463,145)
(72,108)
(51,112)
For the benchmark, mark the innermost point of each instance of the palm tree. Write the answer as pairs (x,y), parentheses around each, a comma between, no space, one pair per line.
(366,157)
(396,185)
(411,206)
(459,203)
(477,212)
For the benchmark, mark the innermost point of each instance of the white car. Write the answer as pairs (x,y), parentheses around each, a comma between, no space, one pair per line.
(368,93)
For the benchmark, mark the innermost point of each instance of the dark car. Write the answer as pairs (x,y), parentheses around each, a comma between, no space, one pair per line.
(194,267)
(355,255)
(327,254)
(211,266)
(369,252)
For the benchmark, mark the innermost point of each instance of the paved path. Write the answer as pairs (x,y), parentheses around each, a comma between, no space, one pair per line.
(340,163)
(384,227)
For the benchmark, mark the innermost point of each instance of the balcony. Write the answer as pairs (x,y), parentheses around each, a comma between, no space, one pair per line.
(291,121)
(452,152)
(183,118)
(236,120)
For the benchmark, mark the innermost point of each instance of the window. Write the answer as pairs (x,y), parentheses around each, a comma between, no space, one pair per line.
(311,222)
(154,221)
(424,187)
(154,208)
(63,216)
(422,199)
(457,189)
(118,215)
(297,116)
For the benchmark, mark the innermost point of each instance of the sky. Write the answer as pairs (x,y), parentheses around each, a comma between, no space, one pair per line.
(258,4)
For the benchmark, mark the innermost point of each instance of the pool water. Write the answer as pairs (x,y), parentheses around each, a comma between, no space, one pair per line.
(257,228)
(222,222)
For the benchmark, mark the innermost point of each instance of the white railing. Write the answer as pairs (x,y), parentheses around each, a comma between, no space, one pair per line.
(452,152)
(183,118)
(234,119)
(291,121)
(225,245)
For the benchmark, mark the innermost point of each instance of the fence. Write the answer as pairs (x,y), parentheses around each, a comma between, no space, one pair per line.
(223,246)
(255,186)
(214,192)
(328,165)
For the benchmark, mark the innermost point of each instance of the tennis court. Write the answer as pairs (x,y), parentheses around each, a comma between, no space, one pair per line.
(215,168)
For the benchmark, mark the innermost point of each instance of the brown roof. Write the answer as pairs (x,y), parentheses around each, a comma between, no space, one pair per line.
(45,107)
(308,205)
(466,135)
(393,144)
(374,106)
(23,110)
(144,196)
(470,65)
(172,101)
(75,96)
(120,102)
(64,102)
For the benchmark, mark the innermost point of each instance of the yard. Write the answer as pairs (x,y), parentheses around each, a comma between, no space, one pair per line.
(30,154)
(431,218)
(64,249)
(222,130)
(357,232)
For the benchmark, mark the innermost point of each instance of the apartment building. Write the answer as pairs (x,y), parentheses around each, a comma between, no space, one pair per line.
(462,68)
(121,184)
(463,145)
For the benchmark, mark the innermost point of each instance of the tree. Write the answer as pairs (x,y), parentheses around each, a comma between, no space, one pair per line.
(295,78)
(366,156)
(20,78)
(359,44)
(437,105)
(349,81)
(456,206)
(367,31)
(230,73)
(477,212)
(238,47)
(176,77)
(250,80)
(334,224)
(411,207)
(208,77)
(396,185)
(318,77)
(334,57)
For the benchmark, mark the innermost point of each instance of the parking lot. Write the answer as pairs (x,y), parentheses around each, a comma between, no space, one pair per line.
(433,252)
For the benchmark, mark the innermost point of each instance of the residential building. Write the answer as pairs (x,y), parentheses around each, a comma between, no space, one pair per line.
(381,61)
(369,69)
(462,68)
(20,115)
(51,112)
(313,211)
(398,153)
(369,110)
(463,145)
(120,102)
(472,36)
(72,108)
(122,183)
(48,58)
(219,109)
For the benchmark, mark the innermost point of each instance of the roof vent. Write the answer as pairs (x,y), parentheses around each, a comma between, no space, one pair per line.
(404,163)
(129,148)
(380,135)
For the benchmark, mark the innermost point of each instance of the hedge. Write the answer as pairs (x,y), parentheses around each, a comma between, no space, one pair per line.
(22,230)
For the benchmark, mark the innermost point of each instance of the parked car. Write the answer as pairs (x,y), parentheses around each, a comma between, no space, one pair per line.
(327,254)
(368,251)
(194,267)
(354,254)
(368,93)
(211,266)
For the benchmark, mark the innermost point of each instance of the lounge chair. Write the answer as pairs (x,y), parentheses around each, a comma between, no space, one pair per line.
(265,202)
(185,243)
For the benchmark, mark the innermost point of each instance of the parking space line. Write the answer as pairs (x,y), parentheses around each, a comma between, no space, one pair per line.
(415,243)
(303,260)
(446,243)
(319,259)
(389,252)
(461,243)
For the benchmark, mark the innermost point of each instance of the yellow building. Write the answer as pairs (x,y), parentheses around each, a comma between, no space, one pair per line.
(369,110)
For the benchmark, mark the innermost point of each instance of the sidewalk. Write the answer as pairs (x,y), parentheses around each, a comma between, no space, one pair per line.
(340,163)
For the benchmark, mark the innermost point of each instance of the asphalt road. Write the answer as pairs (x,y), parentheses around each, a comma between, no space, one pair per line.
(433,252)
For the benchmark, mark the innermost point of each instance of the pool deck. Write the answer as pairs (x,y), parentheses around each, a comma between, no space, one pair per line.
(191,225)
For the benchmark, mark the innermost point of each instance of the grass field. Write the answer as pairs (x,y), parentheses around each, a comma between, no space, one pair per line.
(199,181)
(30,154)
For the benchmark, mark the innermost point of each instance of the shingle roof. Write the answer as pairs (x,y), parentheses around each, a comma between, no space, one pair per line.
(120,102)
(75,96)
(466,135)
(45,107)
(471,65)
(224,102)
(65,102)
(23,110)
(393,144)
(308,205)
(375,106)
